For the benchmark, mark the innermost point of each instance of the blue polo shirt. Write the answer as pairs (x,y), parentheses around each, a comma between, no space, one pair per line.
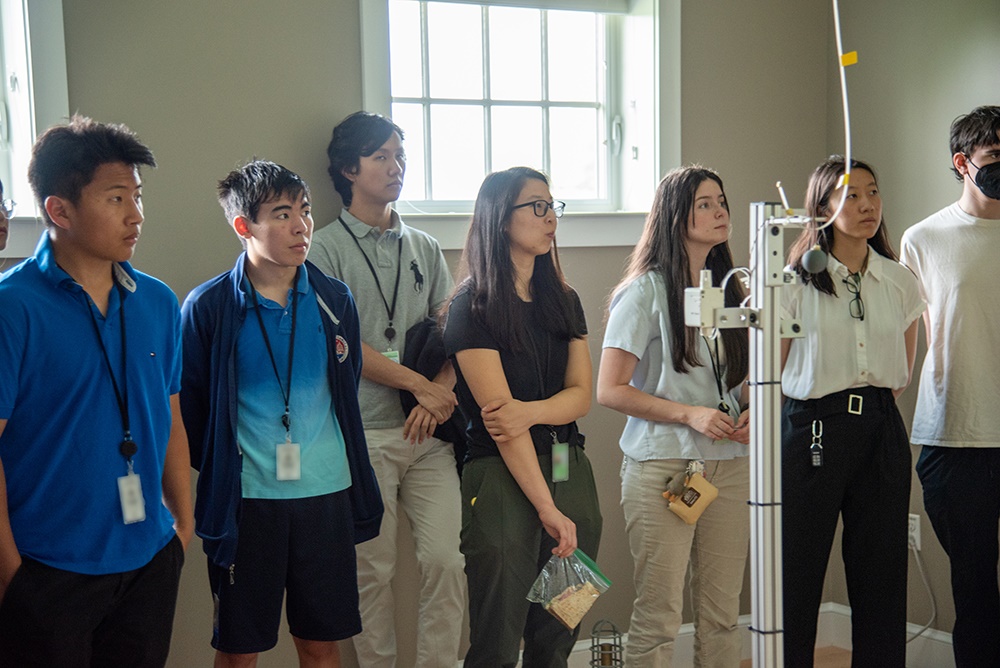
(60,446)
(314,423)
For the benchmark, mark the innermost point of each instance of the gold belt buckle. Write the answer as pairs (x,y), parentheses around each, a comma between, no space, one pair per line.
(854,403)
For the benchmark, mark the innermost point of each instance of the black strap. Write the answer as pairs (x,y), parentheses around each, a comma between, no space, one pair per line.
(390,311)
(127,447)
(717,372)
(285,418)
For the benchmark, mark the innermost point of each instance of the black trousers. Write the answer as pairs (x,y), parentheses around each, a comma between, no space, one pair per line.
(962,498)
(51,617)
(865,479)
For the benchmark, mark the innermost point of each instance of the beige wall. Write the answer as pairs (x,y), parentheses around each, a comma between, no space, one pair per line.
(209,85)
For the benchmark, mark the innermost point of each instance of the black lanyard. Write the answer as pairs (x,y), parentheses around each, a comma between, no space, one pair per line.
(285,419)
(717,372)
(390,331)
(127,447)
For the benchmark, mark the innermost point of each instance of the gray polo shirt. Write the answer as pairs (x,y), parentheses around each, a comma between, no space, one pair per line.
(424,285)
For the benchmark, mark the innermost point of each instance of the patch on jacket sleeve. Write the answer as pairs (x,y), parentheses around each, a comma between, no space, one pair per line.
(342,350)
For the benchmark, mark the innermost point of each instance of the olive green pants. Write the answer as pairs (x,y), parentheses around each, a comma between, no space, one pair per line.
(505,548)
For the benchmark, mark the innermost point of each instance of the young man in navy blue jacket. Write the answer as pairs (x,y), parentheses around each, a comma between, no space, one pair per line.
(272,360)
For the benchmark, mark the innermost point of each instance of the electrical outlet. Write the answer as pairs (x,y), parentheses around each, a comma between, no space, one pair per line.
(914,531)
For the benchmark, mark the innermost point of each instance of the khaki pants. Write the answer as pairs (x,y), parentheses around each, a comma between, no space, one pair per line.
(423,480)
(664,548)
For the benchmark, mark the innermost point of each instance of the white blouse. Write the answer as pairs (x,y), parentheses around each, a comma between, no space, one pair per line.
(838,351)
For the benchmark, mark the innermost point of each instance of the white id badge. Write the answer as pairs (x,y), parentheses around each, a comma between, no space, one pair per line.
(392,355)
(130,493)
(289,461)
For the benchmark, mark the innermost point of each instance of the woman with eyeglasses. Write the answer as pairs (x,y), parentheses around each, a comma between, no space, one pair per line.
(517,334)
(845,450)
(6,211)
(683,395)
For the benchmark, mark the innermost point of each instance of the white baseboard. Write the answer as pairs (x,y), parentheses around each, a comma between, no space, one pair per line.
(931,650)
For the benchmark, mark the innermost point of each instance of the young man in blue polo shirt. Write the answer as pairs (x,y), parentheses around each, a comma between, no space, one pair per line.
(95,504)
(272,360)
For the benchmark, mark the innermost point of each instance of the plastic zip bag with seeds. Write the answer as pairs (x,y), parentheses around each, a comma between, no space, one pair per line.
(567,587)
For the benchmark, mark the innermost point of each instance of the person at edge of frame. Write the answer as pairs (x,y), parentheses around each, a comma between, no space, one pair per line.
(951,252)
(95,503)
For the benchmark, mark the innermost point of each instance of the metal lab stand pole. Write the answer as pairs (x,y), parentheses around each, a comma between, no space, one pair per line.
(704,308)
(767,261)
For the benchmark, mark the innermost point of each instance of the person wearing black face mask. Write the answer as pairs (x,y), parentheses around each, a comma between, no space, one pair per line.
(954,421)
(987,176)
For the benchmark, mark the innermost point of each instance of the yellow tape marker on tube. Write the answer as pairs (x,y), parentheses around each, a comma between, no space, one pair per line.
(849,59)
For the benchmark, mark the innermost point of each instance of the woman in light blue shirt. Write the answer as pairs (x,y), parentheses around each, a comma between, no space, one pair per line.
(682,393)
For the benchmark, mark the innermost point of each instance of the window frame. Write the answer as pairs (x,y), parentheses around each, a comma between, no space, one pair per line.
(45,97)
(606,107)
(652,128)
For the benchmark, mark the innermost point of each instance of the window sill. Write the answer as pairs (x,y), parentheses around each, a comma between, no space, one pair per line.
(576,230)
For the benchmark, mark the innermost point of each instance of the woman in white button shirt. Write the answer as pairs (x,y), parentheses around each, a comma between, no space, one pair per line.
(845,451)
(681,392)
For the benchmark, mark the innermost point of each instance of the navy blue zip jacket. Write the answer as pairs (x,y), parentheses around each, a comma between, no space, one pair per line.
(212,316)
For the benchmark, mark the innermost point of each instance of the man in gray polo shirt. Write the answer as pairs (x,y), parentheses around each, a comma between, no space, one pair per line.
(399,277)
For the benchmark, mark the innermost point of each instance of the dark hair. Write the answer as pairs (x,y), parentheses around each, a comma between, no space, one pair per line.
(359,135)
(822,183)
(662,248)
(487,264)
(65,157)
(244,190)
(980,127)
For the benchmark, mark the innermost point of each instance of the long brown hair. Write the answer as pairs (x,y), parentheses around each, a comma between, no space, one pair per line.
(662,249)
(822,183)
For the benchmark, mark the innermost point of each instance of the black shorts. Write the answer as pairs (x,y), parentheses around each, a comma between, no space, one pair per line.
(51,617)
(302,546)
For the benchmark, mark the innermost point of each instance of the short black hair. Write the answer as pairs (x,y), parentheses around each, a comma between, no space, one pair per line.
(359,135)
(65,157)
(980,127)
(244,190)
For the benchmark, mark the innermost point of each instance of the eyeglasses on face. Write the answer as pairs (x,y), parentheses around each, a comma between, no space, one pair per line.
(856,305)
(542,207)
(7,207)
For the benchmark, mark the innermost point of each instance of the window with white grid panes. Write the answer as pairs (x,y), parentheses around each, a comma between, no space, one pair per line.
(479,88)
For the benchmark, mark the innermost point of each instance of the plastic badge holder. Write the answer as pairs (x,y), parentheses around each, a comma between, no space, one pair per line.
(567,587)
